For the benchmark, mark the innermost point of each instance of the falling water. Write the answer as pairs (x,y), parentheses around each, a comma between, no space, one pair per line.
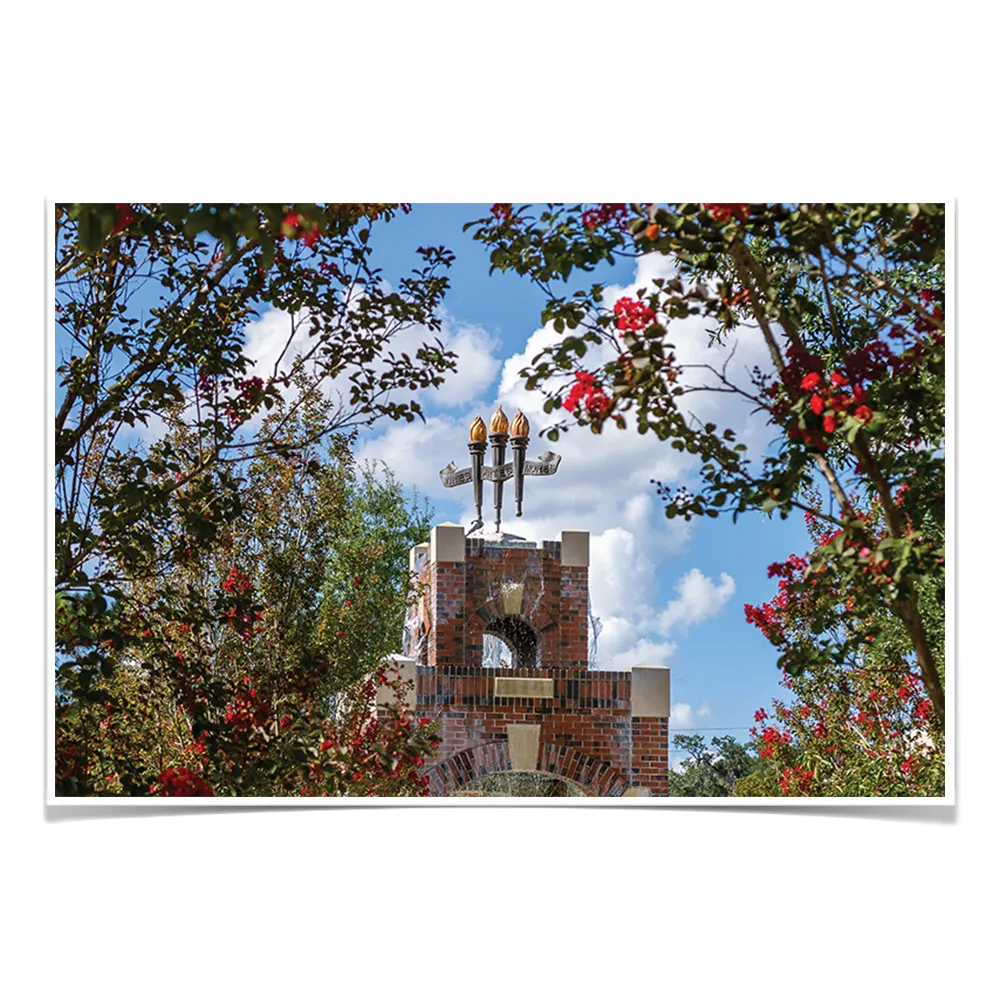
(496,653)
(595,631)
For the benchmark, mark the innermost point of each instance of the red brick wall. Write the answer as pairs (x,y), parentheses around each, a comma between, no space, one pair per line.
(589,711)
(650,740)
(463,598)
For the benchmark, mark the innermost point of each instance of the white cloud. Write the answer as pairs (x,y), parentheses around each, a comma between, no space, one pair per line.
(681,716)
(273,342)
(699,599)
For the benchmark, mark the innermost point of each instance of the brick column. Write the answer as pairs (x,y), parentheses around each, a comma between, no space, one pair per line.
(574,597)
(446,642)
(650,728)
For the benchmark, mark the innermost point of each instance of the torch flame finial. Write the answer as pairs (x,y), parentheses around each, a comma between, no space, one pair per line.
(498,422)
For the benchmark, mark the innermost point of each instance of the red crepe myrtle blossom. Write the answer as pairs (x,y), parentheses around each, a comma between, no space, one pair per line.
(125,216)
(613,212)
(501,211)
(724,211)
(585,390)
(180,781)
(313,236)
(632,315)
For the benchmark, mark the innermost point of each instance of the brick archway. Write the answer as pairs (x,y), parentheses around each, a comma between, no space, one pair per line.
(596,777)
(449,775)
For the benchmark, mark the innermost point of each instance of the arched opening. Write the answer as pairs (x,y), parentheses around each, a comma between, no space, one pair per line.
(510,641)
(521,784)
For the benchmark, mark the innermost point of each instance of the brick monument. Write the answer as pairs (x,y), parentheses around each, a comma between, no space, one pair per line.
(539,713)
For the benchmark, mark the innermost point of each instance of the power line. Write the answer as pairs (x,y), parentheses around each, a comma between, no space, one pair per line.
(708,729)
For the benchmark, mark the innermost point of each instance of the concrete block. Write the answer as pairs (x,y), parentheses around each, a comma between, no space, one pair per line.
(575,547)
(407,672)
(522,743)
(650,691)
(447,543)
(418,556)
(523,687)
(512,595)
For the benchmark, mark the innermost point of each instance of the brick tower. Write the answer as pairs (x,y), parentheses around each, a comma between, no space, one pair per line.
(556,726)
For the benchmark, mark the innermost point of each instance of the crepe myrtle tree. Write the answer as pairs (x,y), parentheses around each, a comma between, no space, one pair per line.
(849,303)
(152,302)
(866,726)
(250,664)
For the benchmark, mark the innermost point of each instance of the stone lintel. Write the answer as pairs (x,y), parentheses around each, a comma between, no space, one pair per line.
(447,543)
(650,691)
(635,791)
(575,547)
(523,687)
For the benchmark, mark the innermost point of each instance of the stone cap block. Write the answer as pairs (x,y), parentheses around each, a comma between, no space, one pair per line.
(650,691)
(418,556)
(575,546)
(447,543)
(407,672)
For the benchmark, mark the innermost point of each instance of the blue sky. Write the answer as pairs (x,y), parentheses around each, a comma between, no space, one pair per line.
(722,669)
